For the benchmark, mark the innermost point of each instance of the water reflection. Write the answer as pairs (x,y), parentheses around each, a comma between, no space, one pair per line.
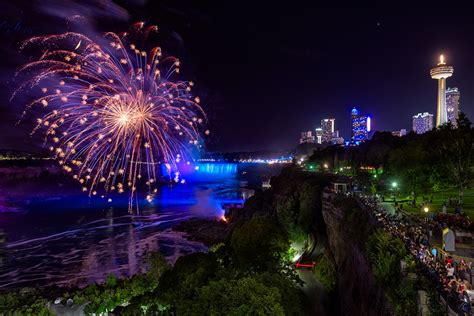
(2,248)
(77,240)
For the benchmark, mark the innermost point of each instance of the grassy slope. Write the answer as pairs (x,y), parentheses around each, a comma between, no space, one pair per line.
(442,196)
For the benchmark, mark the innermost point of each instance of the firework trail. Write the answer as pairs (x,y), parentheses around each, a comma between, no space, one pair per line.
(111,112)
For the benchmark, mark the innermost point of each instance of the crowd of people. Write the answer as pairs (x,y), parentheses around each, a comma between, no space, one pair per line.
(456,221)
(452,279)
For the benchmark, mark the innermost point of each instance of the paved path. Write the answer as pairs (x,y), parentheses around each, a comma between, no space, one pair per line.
(312,287)
(315,291)
(388,207)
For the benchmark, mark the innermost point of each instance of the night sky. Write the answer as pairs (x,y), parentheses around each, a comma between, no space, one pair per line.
(266,72)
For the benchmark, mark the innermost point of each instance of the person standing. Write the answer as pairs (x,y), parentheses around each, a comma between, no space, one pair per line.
(466,303)
(450,271)
(462,269)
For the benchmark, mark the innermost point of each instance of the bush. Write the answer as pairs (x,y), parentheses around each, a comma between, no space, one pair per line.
(325,272)
(384,253)
(27,301)
(404,298)
(436,308)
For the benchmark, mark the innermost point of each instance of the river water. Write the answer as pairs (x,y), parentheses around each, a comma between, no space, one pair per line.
(77,240)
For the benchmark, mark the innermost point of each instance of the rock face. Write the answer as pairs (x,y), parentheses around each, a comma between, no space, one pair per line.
(358,292)
(208,231)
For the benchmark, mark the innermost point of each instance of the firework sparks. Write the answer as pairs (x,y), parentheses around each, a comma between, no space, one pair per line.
(111,112)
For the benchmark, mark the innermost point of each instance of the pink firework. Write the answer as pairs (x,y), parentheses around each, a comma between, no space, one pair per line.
(111,112)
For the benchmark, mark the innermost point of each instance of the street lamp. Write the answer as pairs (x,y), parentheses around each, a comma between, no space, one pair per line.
(326,165)
(426,209)
(394,187)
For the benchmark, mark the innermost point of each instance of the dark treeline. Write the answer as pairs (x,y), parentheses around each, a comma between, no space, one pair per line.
(437,160)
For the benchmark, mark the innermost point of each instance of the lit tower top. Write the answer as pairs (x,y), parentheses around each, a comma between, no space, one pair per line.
(440,73)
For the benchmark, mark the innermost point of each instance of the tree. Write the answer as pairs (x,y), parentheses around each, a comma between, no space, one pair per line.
(246,296)
(375,153)
(454,149)
(157,265)
(325,272)
(292,300)
(259,244)
(409,164)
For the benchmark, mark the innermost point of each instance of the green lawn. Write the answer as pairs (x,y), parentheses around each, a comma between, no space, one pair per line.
(439,198)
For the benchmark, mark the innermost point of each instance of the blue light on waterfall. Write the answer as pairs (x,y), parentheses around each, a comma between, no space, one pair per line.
(217,168)
(202,171)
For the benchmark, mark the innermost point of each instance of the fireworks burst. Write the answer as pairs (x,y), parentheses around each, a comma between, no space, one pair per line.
(110,112)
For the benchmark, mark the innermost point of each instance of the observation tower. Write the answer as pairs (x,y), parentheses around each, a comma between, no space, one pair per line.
(440,73)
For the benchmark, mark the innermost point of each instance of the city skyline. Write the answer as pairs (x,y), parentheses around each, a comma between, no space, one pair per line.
(278,91)
(447,110)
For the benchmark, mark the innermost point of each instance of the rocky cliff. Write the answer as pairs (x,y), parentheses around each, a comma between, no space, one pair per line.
(347,226)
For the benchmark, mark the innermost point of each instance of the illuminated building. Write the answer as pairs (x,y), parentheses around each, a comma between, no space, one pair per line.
(452,104)
(440,73)
(324,134)
(336,139)
(319,134)
(422,122)
(327,126)
(307,137)
(400,133)
(361,126)
(354,121)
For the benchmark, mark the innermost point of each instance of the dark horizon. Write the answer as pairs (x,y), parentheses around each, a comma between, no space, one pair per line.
(266,73)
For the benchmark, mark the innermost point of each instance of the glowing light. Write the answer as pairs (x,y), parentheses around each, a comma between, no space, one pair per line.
(305,265)
(112,109)
(394,184)
(369,123)
(426,209)
(441,60)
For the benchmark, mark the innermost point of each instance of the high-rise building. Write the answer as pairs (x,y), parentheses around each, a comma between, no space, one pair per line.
(307,137)
(422,123)
(354,121)
(452,104)
(441,72)
(327,126)
(400,133)
(360,126)
(336,139)
(319,134)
